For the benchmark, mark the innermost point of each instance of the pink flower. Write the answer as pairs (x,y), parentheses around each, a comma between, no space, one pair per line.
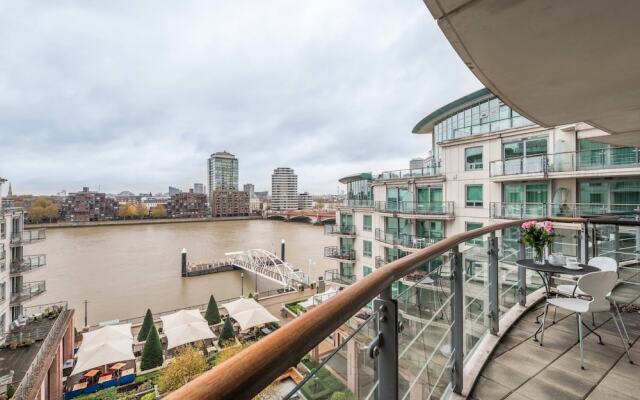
(548,226)
(528,224)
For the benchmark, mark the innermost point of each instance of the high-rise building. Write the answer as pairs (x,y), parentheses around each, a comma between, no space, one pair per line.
(222,171)
(305,201)
(250,188)
(198,188)
(284,189)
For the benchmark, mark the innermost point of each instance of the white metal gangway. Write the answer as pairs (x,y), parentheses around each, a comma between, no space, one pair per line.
(269,266)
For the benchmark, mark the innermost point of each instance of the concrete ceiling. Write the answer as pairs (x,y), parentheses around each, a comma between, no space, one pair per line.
(554,61)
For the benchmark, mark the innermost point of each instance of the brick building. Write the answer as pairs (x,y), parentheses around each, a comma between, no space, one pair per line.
(187,205)
(229,203)
(88,206)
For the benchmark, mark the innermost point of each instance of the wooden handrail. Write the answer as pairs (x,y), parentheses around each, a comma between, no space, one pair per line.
(247,373)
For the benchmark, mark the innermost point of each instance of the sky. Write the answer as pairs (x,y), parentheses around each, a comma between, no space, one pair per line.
(122,95)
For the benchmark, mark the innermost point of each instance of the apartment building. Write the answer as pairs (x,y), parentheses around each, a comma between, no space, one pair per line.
(87,206)
(187,205)
(284,189)
(305,201)
(489,164)
(222,171)
(229,203)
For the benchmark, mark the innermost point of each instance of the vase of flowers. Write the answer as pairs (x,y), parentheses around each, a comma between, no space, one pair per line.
(538,235)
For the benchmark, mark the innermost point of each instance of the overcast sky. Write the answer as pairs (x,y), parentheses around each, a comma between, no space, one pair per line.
(135,95)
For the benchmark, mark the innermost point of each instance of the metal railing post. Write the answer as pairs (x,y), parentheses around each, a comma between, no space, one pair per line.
(522,272)
(457,312)
(494,314)
(616,242)
(584,243)
(387,359)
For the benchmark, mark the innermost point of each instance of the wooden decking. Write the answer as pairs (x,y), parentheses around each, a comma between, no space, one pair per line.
(520,369)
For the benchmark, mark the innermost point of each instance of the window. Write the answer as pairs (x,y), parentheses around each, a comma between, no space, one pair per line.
(366,248)
(367,223)
(469,226)
(474,195)
(346,270)
(366,270)
(3,290)
(473,158)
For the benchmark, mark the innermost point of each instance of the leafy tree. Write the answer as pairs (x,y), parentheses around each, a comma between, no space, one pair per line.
(152,351)
(146,326)
(213,314)
(188,364)
(159,211)
(140,210)
(42,210)
(227,333)
(125,211)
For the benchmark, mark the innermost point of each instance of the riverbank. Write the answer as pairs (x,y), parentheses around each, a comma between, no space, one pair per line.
(138,222)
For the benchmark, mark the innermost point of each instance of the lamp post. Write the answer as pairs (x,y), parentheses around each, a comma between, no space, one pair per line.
(242,284)
(309,270)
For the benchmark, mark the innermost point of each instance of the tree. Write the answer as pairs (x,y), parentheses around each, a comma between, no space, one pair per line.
(188,364)
(212,315)
(140,210)
(227,335)
(159,211)
(146,326)
(152,351)
(125,211)
(42,210)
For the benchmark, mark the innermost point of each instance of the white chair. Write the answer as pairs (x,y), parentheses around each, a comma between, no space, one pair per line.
(603,264)
(596,285)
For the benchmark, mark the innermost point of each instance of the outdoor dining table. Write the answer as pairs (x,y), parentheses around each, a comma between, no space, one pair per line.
(546,272)
(105,378)
(118,366)
(80,386)
(92,373)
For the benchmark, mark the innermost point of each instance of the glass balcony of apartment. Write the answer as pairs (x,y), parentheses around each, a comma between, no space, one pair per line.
(337,253)
(535,164)
(335,276)
(454,315)
(435,209)
(27,263)
(538,210)
(434,170)
(584,160)
(358,203)
(28,290)
(28,236)
(340,230)
(394,238)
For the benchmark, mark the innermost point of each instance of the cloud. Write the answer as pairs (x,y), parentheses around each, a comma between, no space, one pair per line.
(136,95)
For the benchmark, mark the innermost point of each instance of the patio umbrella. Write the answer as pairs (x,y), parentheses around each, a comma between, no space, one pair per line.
(240,305)
(107,333)
(187,333)
(255,317)
(181,317)
(101,354)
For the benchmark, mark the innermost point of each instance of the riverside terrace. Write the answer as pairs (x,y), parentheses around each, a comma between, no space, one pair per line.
(485,300)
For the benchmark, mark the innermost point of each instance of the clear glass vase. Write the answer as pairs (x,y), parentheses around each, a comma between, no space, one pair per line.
(539,255)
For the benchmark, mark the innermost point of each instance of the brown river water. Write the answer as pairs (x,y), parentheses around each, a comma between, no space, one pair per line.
(123,270)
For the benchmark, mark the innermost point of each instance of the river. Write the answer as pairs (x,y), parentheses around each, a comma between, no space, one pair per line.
(123,270)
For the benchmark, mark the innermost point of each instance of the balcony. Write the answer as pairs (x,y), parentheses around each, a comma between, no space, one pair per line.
(337,253)
(392,237)
(27,263)
(558,163)
(28,291)
(355,203)
(411,173)
(574,210)
(28,236)
(380,262)
(335,276)
(452,328)
(437,210)
(340,230)
(519,166)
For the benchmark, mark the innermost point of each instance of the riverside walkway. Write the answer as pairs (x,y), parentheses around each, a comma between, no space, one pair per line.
(520,369)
